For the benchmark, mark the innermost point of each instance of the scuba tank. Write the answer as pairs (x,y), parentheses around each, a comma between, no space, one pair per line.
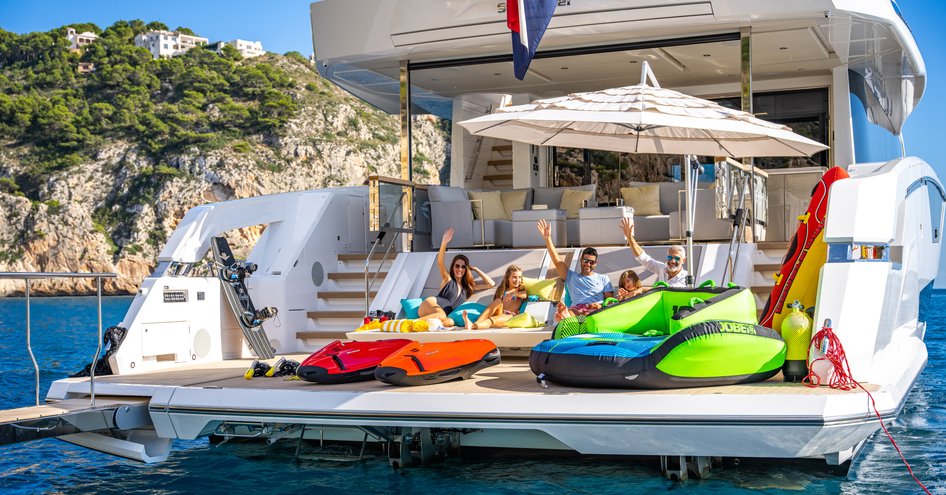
(796,332)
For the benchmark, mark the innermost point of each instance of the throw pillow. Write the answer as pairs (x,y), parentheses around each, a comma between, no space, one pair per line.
(410,307)
(572,200)
(523,320)
(473,311)
(491,206)
(544,289)
(644,199)
(514,200)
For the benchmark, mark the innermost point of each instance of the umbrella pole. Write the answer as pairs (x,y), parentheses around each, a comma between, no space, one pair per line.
(690,193)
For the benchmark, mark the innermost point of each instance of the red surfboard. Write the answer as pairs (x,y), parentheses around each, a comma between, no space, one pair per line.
(437,362)
(346,362)
(809,229)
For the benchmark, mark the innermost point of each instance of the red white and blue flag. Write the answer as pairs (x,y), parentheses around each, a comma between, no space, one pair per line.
(527,19)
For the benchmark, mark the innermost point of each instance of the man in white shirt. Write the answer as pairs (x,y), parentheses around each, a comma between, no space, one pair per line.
(671,271)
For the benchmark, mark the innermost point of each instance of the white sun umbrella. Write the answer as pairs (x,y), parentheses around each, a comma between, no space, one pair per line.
(643,119)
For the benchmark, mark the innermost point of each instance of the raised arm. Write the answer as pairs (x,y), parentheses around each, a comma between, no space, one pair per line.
(628,228)
(444,272)
(487,281)
(546,231)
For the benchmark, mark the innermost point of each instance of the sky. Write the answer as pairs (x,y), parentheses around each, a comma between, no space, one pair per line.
(283,25)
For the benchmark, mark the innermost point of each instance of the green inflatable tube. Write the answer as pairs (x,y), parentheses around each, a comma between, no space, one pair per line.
(664,311)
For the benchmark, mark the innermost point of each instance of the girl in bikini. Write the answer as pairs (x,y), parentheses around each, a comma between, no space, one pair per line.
(509,297)
(456,286)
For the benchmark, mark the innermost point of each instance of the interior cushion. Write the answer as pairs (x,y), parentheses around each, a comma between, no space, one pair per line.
(543,289)
(572,200)
(473,311)
(670,196)
(513,201)
(549,196)
(644,199)
(491,207)
(446,193)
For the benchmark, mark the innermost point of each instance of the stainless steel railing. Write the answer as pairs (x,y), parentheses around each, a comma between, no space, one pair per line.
(477,147)
(28,277)
(378,240)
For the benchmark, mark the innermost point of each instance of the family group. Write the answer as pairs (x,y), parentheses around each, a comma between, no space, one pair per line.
(586,289)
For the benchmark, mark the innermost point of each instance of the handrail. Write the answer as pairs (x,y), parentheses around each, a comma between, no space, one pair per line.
(476,151)
(384,258)
(27,277)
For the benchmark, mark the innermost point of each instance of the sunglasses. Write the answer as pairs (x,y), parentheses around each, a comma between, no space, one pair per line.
(457,265)
(674,258)
(589,261)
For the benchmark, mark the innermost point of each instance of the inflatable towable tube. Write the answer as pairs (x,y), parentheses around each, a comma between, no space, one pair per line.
(706,354)
(437,362)
(664,311)
(346,362)
(807,252)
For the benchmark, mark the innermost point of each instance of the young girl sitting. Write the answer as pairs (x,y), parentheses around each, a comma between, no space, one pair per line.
(629,285)
(509,297)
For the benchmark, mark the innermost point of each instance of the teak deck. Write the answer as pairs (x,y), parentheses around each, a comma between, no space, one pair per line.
(511,376)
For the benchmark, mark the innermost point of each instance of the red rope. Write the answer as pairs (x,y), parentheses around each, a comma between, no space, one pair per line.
(841,378)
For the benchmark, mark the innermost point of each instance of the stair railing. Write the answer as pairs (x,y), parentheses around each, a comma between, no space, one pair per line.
(476,151)
(385,228)
(28,277)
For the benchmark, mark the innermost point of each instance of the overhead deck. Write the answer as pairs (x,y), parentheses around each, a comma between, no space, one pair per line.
(461,48)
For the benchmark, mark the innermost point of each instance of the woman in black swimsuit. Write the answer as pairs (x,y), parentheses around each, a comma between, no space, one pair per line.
(456,287)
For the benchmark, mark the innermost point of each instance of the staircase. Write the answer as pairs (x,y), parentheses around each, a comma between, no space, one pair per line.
(341,299)
(767,262)
(498,171)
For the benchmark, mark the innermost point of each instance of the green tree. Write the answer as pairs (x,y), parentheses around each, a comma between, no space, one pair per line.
(230,53)
(157,26)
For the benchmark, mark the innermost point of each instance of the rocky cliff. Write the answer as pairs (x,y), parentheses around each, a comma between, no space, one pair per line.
(114,211)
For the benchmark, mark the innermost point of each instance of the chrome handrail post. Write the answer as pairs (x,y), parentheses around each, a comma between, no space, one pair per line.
(369,285)
(29,346)
(98,349)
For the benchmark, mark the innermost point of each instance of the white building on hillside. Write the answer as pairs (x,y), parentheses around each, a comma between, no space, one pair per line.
(248,49)
(79,40)
(167,43)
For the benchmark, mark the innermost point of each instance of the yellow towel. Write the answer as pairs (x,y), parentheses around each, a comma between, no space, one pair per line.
(405,326)
(371,325)
(397,326)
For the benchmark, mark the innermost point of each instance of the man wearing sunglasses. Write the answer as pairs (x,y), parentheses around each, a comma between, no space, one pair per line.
(585,287)
(671,271)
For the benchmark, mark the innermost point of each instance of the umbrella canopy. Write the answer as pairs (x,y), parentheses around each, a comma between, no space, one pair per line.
(642,119)
(645,119)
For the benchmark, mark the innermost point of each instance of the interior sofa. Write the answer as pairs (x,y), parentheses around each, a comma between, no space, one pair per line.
(659,212)
(484,217)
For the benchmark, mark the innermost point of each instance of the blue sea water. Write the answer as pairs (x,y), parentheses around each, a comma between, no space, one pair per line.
(64,337)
